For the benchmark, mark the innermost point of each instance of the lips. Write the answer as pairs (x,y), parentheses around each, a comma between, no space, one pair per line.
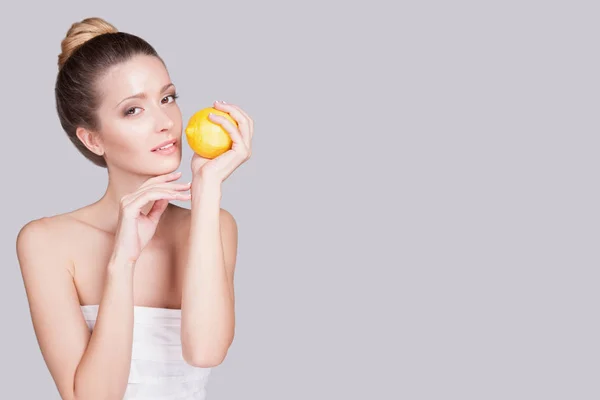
(163,144)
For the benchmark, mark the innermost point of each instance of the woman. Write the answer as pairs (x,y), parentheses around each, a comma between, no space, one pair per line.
(131,296)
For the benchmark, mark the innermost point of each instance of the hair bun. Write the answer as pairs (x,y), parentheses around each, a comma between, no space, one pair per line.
(81,32)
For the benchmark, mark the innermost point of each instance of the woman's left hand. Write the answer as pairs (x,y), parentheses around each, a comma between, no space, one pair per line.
(219,168)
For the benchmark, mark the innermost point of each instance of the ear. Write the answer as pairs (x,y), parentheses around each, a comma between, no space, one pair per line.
(91,140)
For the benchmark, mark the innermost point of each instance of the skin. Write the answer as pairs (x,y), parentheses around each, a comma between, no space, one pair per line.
(92,255)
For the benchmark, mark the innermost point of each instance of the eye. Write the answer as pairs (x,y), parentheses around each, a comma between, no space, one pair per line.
(173,96)
(129,110)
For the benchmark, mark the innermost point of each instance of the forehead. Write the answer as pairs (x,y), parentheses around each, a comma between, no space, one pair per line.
(140,74)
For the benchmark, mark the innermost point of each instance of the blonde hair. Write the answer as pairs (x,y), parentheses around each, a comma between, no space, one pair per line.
(81,32)
(90,48)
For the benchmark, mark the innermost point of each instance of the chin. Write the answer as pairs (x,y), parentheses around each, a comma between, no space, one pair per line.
(164,164)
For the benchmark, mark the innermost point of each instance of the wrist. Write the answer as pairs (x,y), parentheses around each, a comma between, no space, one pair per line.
(202,186)
(120,262)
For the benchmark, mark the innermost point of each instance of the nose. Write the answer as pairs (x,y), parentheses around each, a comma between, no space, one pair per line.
(163,122)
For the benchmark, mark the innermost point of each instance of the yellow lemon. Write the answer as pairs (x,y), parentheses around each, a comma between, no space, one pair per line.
(207,138)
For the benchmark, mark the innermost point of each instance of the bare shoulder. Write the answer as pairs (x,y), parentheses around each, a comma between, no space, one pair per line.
(46,234)
(59,326)
(227,220)
(40,233)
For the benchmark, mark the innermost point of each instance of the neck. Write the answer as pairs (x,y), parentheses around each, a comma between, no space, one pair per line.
(120,183)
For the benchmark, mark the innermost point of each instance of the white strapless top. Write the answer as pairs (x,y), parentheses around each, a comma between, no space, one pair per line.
(158,370)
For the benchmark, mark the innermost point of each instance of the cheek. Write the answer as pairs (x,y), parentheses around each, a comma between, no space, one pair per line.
(176,116)
(125,137)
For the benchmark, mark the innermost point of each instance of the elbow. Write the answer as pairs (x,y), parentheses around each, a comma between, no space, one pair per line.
(205,353)
(204,359)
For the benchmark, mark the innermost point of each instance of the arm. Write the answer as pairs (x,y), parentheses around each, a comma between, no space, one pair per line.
(83,365)
(208,302)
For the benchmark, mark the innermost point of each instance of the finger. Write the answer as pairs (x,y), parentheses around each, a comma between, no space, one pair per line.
(135,203)
(248,118)
(228,162)
(242,118)
(168,186)
(233,131)
(162,178)
(238,108)
(157,209)
(172,186)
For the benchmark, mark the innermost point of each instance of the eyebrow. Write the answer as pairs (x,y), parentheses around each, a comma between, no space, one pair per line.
(143,95)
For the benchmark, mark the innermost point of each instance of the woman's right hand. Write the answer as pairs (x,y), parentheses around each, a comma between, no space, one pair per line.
(134,229)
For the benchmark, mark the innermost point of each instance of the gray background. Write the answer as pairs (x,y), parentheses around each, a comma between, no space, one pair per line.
(419,219)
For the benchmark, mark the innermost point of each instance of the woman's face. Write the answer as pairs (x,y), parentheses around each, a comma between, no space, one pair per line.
(131,128)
